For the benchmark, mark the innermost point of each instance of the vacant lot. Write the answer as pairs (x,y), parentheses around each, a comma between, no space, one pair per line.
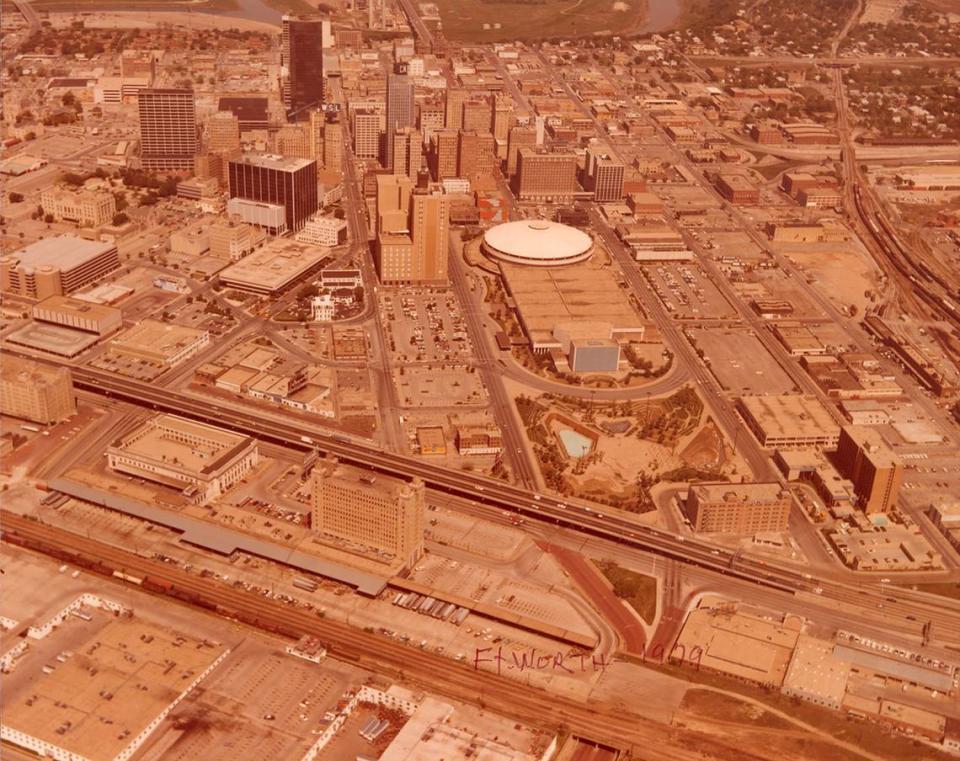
(465,19)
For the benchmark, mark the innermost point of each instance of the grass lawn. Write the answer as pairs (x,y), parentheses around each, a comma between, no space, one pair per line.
(637,589)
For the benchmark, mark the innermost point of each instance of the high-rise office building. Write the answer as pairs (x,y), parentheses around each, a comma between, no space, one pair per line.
(223,132)
(407,152)
(444,151)
(393,204)
(401,107)
(430,231)
(517,138)
(477,116)
(381,515)
(333,143)
(549,177)
(502,121)
(412,232)
(876,470)
(295,140)
(168,129)
(367,126)
(304,36)
(476,155)
(603,174)
(315,127)
(430,119)
(278,181)
(455,99)
(36,392)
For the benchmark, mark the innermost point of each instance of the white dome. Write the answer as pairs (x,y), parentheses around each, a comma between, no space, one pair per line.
(537,242)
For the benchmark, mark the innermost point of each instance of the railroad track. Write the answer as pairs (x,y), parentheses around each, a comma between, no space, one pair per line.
(612,725)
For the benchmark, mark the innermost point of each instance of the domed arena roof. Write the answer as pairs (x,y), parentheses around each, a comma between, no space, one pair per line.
(537,242)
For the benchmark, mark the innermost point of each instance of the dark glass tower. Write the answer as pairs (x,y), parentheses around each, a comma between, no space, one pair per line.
(290,182)
(303,35)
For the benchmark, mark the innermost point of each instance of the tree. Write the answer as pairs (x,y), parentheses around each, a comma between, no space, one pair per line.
(15,197)
(120,218)
(48,218)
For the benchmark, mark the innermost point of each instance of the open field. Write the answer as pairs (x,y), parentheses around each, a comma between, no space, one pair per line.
(464,19)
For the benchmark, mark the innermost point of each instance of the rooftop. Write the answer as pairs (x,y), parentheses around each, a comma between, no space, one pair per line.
(273,266)
(193,446)
(273,161)
(63,252)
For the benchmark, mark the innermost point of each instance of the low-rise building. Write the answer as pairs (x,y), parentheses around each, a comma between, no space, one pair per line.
(736,188)
(82,315)
(85,207)
(479,440)
(324,231)
(789,421)
(199,459)
(56,266)
(160,343)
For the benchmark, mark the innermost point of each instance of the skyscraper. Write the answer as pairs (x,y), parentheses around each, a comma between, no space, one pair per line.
(168,129)
(367,126)
(430,230)
(443,154)
(407,152)
(333,143)
(477,154)
(287,182)
(517,138)
(223,132)
(401,107)
(304,36)
(454,107)
(604,174)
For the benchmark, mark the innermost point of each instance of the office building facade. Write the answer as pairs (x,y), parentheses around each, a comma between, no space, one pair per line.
(303,37)
(725,508)
(870,463)
(545,177)
(401,108)
(168,130)
(36,392)
(279,181)
(364,513)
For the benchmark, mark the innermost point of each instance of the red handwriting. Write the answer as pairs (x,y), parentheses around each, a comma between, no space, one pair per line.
(532,660)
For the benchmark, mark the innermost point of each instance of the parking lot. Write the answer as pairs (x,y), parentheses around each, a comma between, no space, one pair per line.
(424,325)
(739,362)
(687,293)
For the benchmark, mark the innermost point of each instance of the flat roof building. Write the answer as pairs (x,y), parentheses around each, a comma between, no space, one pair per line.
(545,177)
(285,181)
(737,189)
(36,392)
(79,314)
(168,129)
(725,508)
(160,343)
(865,457)
(365,514)
(57,266)
(274,267)
(790,421)
(201,460)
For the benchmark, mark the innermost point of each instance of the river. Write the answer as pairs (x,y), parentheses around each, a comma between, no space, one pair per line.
(661,14)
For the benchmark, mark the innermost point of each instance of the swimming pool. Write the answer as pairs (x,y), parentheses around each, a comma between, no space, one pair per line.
(576,444)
